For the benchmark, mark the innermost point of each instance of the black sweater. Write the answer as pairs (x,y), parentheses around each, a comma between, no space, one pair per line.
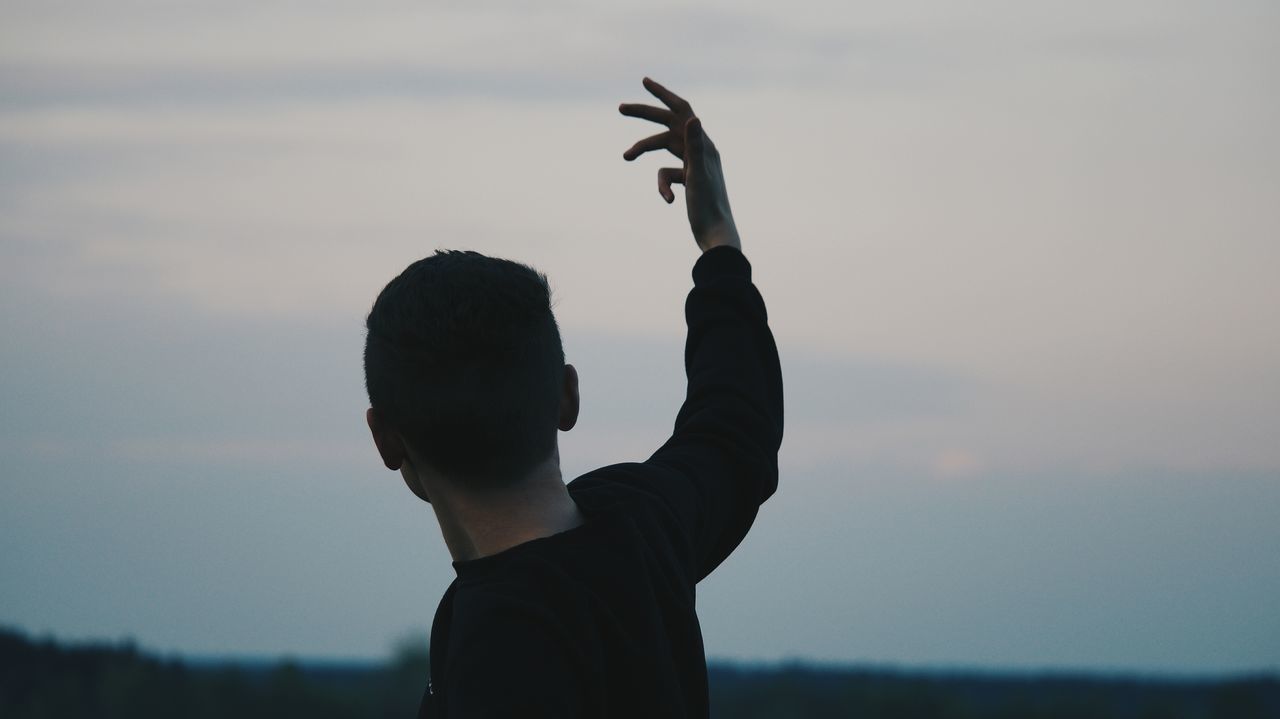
(599,621)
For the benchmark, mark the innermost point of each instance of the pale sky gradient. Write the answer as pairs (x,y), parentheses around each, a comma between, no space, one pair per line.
(1020,259)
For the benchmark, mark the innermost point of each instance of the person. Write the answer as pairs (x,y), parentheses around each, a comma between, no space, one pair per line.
(577,600)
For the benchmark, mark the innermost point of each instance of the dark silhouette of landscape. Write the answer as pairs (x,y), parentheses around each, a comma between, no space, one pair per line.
(44,678)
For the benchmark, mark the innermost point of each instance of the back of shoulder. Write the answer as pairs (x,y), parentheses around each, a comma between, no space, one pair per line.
(647,492)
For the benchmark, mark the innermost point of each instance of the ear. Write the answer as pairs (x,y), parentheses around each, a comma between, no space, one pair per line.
(389,444)
(569,399)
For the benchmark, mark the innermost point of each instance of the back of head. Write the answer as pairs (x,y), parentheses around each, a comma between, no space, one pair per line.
(463,357)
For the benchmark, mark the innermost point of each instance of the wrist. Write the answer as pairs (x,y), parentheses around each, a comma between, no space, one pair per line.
(722,234)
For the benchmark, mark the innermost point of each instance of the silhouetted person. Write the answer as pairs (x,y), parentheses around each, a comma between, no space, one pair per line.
(574,601)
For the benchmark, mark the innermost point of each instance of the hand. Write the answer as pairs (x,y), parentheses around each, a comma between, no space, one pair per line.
(706,199)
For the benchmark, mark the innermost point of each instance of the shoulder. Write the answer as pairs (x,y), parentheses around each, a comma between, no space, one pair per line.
(648,488)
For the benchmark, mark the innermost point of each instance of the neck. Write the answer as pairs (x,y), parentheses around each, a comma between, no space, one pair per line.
(478,523)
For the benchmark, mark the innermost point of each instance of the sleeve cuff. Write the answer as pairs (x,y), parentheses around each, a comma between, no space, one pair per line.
(722,261)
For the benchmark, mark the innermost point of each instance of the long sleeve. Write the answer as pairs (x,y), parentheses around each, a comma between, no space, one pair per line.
(724,448)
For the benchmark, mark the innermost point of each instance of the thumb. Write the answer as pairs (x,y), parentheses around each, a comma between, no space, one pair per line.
(693,137)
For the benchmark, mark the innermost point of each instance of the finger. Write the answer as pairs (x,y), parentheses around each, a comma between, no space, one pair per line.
(669,98)
(666,176)
(660,141)
(648,112)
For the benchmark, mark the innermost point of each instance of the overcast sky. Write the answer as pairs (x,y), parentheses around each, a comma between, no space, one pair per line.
(1020,259)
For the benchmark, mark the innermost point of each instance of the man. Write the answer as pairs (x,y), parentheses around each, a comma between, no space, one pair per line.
(574,601)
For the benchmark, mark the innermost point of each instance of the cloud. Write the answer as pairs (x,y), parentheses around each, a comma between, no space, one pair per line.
(250,54)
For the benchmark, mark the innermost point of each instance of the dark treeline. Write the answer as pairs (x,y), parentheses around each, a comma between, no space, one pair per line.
(44,679)
(804,691)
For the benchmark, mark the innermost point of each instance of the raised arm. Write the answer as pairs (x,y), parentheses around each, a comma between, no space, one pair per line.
(721,461)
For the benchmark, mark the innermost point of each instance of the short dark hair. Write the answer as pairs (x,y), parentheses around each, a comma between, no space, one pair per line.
(463,357)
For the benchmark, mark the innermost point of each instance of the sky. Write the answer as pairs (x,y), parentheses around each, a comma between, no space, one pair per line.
(1019,258)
